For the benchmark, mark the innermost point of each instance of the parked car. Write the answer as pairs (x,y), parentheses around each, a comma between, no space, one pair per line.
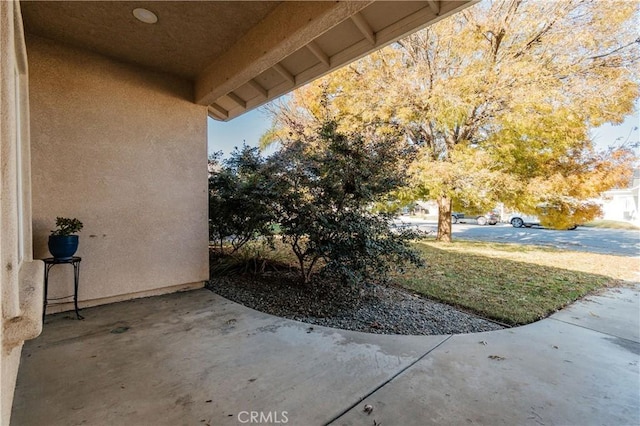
(490,218)
(519,220)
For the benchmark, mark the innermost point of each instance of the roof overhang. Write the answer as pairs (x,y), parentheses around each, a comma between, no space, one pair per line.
(239,55)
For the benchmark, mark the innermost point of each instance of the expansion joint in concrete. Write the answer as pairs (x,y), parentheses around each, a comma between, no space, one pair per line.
(595,331)
(386,382)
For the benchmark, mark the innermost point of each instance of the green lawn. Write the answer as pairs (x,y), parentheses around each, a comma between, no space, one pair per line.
(512,283)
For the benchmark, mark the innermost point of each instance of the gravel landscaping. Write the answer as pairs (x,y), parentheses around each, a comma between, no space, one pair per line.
(377,309)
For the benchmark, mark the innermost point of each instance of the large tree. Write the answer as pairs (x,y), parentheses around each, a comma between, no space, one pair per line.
(500,99)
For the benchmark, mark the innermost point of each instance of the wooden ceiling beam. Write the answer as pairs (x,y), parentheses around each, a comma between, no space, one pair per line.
(258,88)
(290,27)
(434,5)
(237,100)
(285,73)
(218,111)
(364,27)
(319,53)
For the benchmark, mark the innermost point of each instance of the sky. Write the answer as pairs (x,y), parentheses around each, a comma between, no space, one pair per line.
(224,136)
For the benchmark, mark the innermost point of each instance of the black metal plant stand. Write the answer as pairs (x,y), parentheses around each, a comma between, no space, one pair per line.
(49,263)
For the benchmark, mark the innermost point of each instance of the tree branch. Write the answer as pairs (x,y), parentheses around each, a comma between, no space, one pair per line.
(604,55)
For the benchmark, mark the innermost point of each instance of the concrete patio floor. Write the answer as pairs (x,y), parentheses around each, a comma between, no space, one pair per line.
(196,358)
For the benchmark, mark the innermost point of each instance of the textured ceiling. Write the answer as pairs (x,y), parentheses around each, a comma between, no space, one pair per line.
(238,54)
(187,37)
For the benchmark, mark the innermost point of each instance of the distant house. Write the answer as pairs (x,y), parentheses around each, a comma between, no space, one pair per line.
(622,204)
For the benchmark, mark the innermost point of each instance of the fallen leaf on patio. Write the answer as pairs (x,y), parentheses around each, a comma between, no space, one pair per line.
(594,315)
(554,347)
(368,409)
(232,321)
(309,330)
(209,400)
(119,330)
(496,357)
(482,342)
(253,379)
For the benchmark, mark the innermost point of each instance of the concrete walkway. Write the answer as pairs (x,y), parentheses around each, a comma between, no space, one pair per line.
(198,359)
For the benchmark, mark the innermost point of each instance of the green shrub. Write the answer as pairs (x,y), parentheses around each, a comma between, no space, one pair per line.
(324,190)
(239,197)
(320,194)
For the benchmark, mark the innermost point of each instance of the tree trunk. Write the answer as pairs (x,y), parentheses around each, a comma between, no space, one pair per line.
(303,271)
(444,219)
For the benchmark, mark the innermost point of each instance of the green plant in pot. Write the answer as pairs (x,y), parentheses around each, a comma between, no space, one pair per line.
(62,242)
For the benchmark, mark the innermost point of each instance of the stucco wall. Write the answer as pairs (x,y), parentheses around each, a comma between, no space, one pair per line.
(123,150)
(20,276)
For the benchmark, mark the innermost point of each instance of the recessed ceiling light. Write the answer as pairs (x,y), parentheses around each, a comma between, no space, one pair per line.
(145,15)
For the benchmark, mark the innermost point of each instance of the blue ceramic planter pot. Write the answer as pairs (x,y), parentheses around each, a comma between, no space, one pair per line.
(63,246)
